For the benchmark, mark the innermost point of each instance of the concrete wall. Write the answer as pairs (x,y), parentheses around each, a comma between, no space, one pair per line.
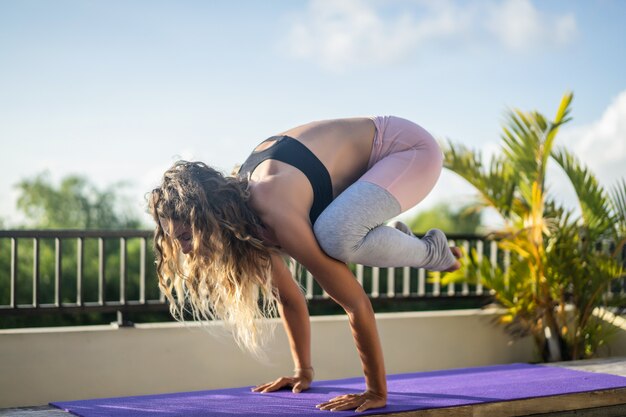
(55,364)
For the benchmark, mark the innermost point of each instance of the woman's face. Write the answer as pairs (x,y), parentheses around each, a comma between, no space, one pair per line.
(180,232)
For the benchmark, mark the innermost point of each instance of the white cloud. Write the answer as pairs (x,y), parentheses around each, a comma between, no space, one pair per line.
(518,25)
(601,145)
(340,34)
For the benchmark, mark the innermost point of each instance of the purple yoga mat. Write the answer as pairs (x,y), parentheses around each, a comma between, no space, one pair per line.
(406,392)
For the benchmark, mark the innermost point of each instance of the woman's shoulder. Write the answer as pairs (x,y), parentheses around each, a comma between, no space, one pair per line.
(261,194)
(270,198)
(277,210)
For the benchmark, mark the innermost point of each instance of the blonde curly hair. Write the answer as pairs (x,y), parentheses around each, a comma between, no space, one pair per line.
(227,274)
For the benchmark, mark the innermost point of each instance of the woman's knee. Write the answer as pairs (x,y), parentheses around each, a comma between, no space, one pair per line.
(342,228)
(336,240)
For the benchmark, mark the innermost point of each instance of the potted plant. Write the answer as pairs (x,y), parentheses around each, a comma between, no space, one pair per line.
(562,261)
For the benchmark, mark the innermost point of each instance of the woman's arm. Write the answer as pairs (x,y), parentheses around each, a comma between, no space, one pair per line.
(295,317)
(297,239)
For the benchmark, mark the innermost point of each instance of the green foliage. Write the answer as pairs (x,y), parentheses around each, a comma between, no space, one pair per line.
(74,203)
(618,207)
(593,199)
(441,216)
(557,275)
(495,182)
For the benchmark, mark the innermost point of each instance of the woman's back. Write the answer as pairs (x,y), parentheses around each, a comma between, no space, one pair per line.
(342,145)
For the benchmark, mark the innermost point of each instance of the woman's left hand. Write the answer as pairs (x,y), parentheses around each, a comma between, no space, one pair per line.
(360,402)
(300,381)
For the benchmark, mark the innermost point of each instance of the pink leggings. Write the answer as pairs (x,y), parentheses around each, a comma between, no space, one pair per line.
(406,160)
(404,166)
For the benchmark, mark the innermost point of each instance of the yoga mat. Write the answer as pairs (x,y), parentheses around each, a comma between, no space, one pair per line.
(406,392)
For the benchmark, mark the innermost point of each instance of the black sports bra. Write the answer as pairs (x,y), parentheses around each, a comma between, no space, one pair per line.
(290,151)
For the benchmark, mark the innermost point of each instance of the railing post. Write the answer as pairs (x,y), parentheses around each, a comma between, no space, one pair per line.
(436,283)
(406,281)
(375,282)
(36,272)
(421,282)
(465,287)
(142,271)
(121,322)
(391,282)
(14,269)
(359,274)
(101,271)
(493,254)
(479,255)
(123,278)
(80,252)
(57,272)
(451,286)
(309,285)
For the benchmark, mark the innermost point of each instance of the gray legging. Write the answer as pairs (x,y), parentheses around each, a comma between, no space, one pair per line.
(351,229)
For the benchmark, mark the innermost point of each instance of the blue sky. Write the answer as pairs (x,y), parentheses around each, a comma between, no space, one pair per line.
(118,90)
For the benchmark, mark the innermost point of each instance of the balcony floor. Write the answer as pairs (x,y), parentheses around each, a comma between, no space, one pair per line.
(605,403)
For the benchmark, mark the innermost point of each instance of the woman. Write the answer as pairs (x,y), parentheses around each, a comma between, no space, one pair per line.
(319,193)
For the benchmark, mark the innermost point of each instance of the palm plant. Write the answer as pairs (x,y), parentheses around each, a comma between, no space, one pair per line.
(556,276)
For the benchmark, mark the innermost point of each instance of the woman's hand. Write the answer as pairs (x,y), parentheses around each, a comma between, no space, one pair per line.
(360,402)
(299,382)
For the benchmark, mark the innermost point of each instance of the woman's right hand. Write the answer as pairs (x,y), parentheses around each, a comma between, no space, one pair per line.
(299,382)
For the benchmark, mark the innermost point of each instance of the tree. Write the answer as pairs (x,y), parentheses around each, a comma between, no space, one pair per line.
(557,276)
(75,203)
(463,220)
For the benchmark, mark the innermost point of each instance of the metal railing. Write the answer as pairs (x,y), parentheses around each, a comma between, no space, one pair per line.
(65,279)
(408,282)
(113,271)
(17,283)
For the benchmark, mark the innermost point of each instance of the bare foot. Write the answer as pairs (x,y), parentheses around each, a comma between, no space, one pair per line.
(457,254)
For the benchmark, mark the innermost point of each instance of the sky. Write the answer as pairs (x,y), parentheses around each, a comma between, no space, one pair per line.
(118,90)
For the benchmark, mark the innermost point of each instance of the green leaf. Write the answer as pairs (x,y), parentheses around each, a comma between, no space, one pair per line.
(594,202)
(618,206)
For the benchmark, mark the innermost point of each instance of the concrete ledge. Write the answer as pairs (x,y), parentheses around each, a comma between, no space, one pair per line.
(59,364)
(72,363)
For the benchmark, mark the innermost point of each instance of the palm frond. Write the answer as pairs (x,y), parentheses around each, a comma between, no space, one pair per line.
(528,139)
(593,200)
(618,206)
(521,140)
(495,183)
(561,118)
